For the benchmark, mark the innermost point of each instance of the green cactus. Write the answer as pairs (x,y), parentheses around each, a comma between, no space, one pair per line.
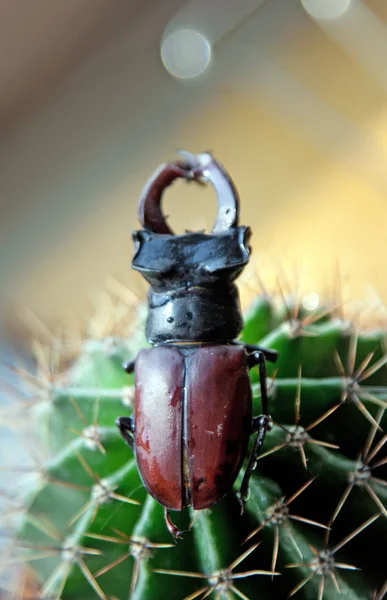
(317,509)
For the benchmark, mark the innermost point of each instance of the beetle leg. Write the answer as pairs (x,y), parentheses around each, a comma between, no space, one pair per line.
(260,425)
(270,355)
(258,358)
(173,530)
(127,430)
(129,366)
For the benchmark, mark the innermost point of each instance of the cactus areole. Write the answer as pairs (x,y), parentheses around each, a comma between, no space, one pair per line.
(193,403)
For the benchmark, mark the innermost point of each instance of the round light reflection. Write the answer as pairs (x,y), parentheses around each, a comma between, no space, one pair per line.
(310,301)
(326,9)
(185,53)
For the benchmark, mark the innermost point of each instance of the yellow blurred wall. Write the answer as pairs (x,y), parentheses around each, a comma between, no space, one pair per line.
(303,135)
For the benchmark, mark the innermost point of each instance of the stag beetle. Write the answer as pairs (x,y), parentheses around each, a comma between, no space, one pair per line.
(193,403)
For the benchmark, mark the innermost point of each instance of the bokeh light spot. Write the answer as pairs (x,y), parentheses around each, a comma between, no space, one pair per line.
(310,301)
(185,53)
(326,9)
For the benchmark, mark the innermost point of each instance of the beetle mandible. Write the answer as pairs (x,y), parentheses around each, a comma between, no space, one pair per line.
(193,403)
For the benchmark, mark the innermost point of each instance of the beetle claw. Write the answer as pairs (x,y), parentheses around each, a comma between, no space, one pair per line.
(173,530)
(242,501)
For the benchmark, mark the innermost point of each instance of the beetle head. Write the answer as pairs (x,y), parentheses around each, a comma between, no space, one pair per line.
(166,259)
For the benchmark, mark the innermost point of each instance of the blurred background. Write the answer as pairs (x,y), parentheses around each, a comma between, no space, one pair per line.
(290,95)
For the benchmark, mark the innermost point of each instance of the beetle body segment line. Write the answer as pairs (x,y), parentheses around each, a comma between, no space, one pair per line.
(185,473)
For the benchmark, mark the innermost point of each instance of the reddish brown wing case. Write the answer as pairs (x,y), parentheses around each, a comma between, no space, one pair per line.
(218,420)
(159,377)
(193,416)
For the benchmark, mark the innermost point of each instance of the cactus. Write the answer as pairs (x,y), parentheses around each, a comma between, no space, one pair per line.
(316,517)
